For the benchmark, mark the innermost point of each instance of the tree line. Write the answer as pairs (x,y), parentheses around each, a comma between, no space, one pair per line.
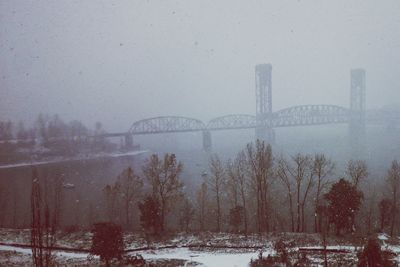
(256,191)
(49,136)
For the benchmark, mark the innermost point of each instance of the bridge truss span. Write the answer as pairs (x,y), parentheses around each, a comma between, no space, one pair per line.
(234,121)
(166,124)
(310,115)
(293,116)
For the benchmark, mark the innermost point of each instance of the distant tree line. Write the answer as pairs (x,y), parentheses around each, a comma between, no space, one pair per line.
(49,136)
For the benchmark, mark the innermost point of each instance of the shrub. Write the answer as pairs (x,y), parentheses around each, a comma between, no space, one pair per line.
(107,241)
(373,256)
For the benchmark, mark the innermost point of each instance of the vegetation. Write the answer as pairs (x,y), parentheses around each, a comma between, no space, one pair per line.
(344,201)
(373,256)
(107,242)
(49,136)
(45,216)
(244,195)
(163,177)
(150,215)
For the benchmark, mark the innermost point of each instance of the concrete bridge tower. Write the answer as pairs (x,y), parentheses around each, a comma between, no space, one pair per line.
(207,141)
(357,112)
(128,141)
(264,130)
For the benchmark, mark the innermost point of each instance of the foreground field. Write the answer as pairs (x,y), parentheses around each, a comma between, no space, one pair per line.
(205,249)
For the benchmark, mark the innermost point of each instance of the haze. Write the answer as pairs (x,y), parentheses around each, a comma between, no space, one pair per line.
(121,61)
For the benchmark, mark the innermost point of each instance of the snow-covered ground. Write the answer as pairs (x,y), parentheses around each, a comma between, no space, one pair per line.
(20,257)
(201,258)
(58,253)
(204,249)
(205,258)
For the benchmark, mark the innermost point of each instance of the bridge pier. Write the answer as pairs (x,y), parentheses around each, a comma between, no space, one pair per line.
(266,134)
(128,141)
(207,141)
(263,80)
(357,112)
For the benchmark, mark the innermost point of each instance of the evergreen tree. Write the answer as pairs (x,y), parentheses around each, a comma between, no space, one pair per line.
(107,241)
(150,215)
(344,201)
(236,217)
(373,256)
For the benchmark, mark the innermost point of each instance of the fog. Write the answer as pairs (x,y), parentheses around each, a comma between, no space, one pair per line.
(121,61)
(130,126)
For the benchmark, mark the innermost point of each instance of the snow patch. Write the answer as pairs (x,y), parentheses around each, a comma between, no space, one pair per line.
(205,258)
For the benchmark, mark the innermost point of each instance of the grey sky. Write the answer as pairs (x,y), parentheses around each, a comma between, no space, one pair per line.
(120,61)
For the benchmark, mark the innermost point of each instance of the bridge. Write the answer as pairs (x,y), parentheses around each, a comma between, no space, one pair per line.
(265,120)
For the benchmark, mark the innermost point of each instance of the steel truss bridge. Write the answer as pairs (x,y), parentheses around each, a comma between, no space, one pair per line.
(305,115)
(294,116)
(265,120)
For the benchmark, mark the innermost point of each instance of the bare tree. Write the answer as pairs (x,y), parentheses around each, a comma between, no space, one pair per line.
(300,169)
(36,221)
(111,198)
(385,216)
(323,167)
(186,214)
(357,171)
(260,163)
(4,196)
(237,184)
(129,187)
(232,183)
(370,207)
(393,178)
(216,182)
(202,204)
(45,215)
(14,202)
(242,182)
(6,130)
(304,173)
(282,172)
(163,176)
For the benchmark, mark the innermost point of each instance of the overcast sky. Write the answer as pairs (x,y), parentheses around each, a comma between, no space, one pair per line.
(120,61)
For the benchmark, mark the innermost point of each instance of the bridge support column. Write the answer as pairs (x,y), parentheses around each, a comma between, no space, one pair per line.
(128,141)
(266,134)
(264,130)
(357,112)
(207,141)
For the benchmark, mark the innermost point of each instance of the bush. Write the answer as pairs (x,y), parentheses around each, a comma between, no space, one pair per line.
(70,229)
(281,248)
(107,241)
(373,256)
(269,261)
(150,215)
(282,258)
(302,261)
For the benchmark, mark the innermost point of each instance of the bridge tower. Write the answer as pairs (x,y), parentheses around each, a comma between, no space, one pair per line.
(207,141)
(264,130)
(128,141)
(357,111)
